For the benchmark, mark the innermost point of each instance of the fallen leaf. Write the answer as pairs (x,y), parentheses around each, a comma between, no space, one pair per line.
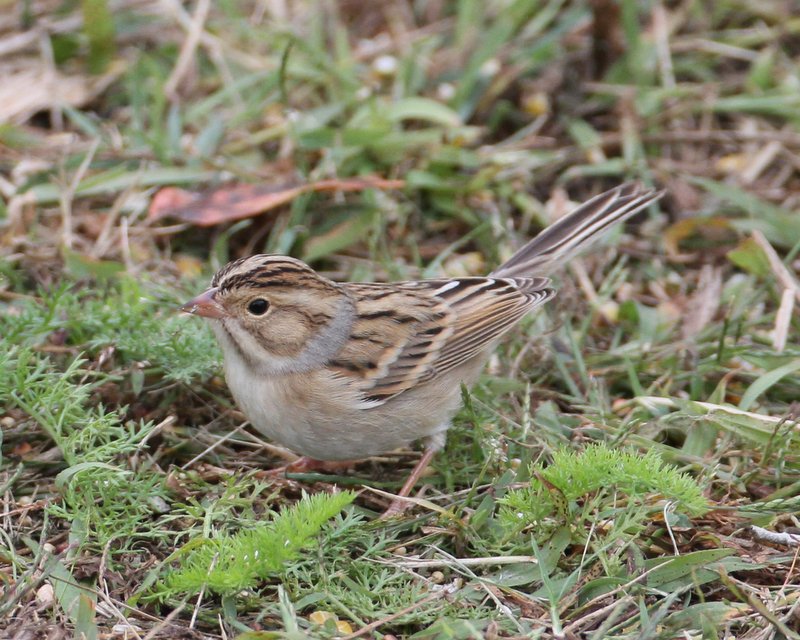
(45,596)
(343,626)
(22,449)
(733,163)
(321,617)
(188,266)
(31,85)
(230,203)
(712,228)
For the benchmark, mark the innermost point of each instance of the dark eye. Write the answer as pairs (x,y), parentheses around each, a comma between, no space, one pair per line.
(258,307)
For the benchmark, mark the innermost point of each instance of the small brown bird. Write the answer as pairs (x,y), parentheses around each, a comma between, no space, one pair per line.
(342,371)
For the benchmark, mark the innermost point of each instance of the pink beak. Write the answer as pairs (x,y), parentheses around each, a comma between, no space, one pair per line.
(205,305)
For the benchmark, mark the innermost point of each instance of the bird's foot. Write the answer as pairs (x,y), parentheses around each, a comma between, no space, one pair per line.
(304,464)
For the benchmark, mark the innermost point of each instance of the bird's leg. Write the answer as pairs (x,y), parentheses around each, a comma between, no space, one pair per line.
(432,446)
(304,464)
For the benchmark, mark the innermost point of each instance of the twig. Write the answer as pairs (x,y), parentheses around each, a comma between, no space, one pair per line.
(786,138)
(760,161)
(104,240)
(427,504)
(422,563)
(783,320)
(166,422)
(166,622)
(125,244)
(68,194)
(661,35)
(104,593)
(580,622)
(715,47)
(578,269)
(791,289)
(485,584)
(39,504)
(379,623)
(202,593)
(13,295)
(214,445)
(188,49)
(598,613)
(774,537)
(776,264)
(669,507)
(16,42)
(756,604)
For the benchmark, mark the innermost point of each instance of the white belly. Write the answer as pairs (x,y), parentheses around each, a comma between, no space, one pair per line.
(311,415)
(318,415)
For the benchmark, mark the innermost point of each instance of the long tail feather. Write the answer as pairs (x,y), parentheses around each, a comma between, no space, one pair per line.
(574,232)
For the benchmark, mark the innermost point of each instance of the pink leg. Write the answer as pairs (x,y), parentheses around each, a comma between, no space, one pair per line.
(304,464)
(398,505)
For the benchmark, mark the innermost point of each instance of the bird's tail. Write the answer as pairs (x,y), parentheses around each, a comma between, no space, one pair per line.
(574,232)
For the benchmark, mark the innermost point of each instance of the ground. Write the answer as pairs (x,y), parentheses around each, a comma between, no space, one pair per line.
(627,467)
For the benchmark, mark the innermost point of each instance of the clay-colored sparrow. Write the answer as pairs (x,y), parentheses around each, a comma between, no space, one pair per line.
(342,371)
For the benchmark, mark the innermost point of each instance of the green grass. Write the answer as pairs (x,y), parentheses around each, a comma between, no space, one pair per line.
(602,476)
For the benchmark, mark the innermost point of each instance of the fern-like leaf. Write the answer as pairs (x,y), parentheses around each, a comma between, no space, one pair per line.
(232,562)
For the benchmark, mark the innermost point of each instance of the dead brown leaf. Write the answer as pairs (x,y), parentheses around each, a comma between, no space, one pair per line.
(235,202)
(713,228)
(29,85)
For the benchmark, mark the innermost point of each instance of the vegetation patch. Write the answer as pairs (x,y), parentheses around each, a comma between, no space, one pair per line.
(627,466)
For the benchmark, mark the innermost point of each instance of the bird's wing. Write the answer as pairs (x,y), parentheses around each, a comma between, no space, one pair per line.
(408,333)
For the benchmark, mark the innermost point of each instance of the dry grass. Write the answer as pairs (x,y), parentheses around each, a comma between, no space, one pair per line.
(483,120)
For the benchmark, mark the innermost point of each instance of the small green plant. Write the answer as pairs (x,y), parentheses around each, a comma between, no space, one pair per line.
(495,115)
(232,562)
(99,493)
(60,402)
(140,321)
(606,483)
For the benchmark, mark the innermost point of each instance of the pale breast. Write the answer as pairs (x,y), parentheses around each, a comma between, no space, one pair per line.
(315,415)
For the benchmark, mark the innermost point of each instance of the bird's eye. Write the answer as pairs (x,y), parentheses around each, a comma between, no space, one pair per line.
(258,307)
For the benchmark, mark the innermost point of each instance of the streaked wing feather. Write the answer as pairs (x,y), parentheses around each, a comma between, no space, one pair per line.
(478,327)
(443,323)
(394,340)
